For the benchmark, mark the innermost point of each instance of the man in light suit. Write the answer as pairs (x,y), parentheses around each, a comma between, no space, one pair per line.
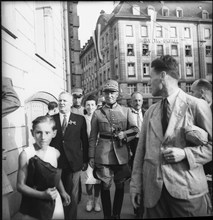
(72,142)
(168,170)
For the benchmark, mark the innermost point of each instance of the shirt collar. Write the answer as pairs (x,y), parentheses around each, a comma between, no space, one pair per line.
(135,111)
(172,97)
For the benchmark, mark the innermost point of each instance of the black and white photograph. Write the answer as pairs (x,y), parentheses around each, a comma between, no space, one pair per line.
(106,109)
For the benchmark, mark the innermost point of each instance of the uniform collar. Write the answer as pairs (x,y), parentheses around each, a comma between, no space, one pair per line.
(111,106)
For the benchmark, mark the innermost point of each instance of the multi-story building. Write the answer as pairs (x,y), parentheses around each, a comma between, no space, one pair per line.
(39,41)
(135,33)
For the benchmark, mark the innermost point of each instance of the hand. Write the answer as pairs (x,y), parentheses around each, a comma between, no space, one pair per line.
(92,162)
(121,135)
(50,193)
(66,199)
(136,199)
(85,165)
(174,154)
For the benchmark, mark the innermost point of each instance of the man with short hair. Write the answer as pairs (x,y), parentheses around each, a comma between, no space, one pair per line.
(112,127)
(202,88)
(72,142)
(168,169)
(52,108)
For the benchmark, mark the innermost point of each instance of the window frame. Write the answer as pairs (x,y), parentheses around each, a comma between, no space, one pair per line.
(209,50)
(146,67)
(188,55)
(158,45)
(128,34)
(128,68)
(191,74)
(132,48)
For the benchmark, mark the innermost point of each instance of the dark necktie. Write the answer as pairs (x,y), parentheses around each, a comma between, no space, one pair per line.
(64,124)
(165,114)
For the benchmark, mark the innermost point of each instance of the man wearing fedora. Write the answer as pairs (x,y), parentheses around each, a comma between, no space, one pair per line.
(112,127)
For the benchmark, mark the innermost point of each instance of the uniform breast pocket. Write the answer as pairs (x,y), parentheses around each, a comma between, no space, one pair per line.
(104,125)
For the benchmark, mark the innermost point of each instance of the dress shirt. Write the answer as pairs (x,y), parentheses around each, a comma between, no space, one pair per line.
(62,117)
(135,115)
(171,99)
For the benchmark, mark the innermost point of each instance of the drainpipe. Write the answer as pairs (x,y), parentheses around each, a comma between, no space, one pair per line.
(67,48)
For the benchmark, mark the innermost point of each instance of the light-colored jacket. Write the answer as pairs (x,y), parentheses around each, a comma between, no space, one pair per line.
(109,151)
(185,179)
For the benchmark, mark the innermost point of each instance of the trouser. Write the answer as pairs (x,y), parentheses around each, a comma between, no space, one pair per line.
(117,202)
(71,185)
(170,207)
(107,173)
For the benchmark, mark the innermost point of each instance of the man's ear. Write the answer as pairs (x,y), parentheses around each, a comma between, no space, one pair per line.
(54,133)
(163,75)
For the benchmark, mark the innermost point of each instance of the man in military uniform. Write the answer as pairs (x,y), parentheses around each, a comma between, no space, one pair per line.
(77,107)
(112,127)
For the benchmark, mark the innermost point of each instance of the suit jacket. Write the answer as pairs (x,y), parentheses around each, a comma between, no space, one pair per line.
(185,179)
(109,151)
(73,146)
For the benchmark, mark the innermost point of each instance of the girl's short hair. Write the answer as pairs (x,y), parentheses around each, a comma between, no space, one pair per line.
(45,118)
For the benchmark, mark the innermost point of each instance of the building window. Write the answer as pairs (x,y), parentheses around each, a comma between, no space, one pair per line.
(131,69)
(129,31)
(189,70)
(159,50)
(165,11)
(207,33)
(173,32)
(116,71)
(179,12)
(188,51)
(205,14)
(105,76)
(159,31)
(116,51)
(107,55)
(44,33)
(115,33)
(101,79)
(131,88)
(188,87)
(146,88)
(107,38)
(208,51)
(145,50)
(135,10)
(209,68)
(174,50)
(144,31)
(130,50)
(187,33)
(108,73)
(146,70)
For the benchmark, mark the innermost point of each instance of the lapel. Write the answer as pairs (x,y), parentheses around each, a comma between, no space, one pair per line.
(155,121)
(71,124)
(178,112)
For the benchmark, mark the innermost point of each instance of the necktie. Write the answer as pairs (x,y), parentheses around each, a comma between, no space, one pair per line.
(165,115)
(64,124)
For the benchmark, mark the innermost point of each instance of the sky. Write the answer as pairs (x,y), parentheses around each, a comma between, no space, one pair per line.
(88,12)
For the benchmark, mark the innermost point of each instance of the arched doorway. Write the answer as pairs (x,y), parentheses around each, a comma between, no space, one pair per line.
(35,106)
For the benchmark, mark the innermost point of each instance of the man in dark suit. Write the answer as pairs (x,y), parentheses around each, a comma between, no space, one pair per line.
(72,142)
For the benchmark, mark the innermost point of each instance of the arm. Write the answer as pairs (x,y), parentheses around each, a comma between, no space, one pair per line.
(62,191)
(136,184)
(50,193)
(132,128)
(10,100)
(85,144)
(93,138)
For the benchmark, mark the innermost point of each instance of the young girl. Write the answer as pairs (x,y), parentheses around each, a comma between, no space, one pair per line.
(87,176)
(43,130)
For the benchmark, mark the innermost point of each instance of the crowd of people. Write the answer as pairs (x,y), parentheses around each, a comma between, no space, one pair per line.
(165,152)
